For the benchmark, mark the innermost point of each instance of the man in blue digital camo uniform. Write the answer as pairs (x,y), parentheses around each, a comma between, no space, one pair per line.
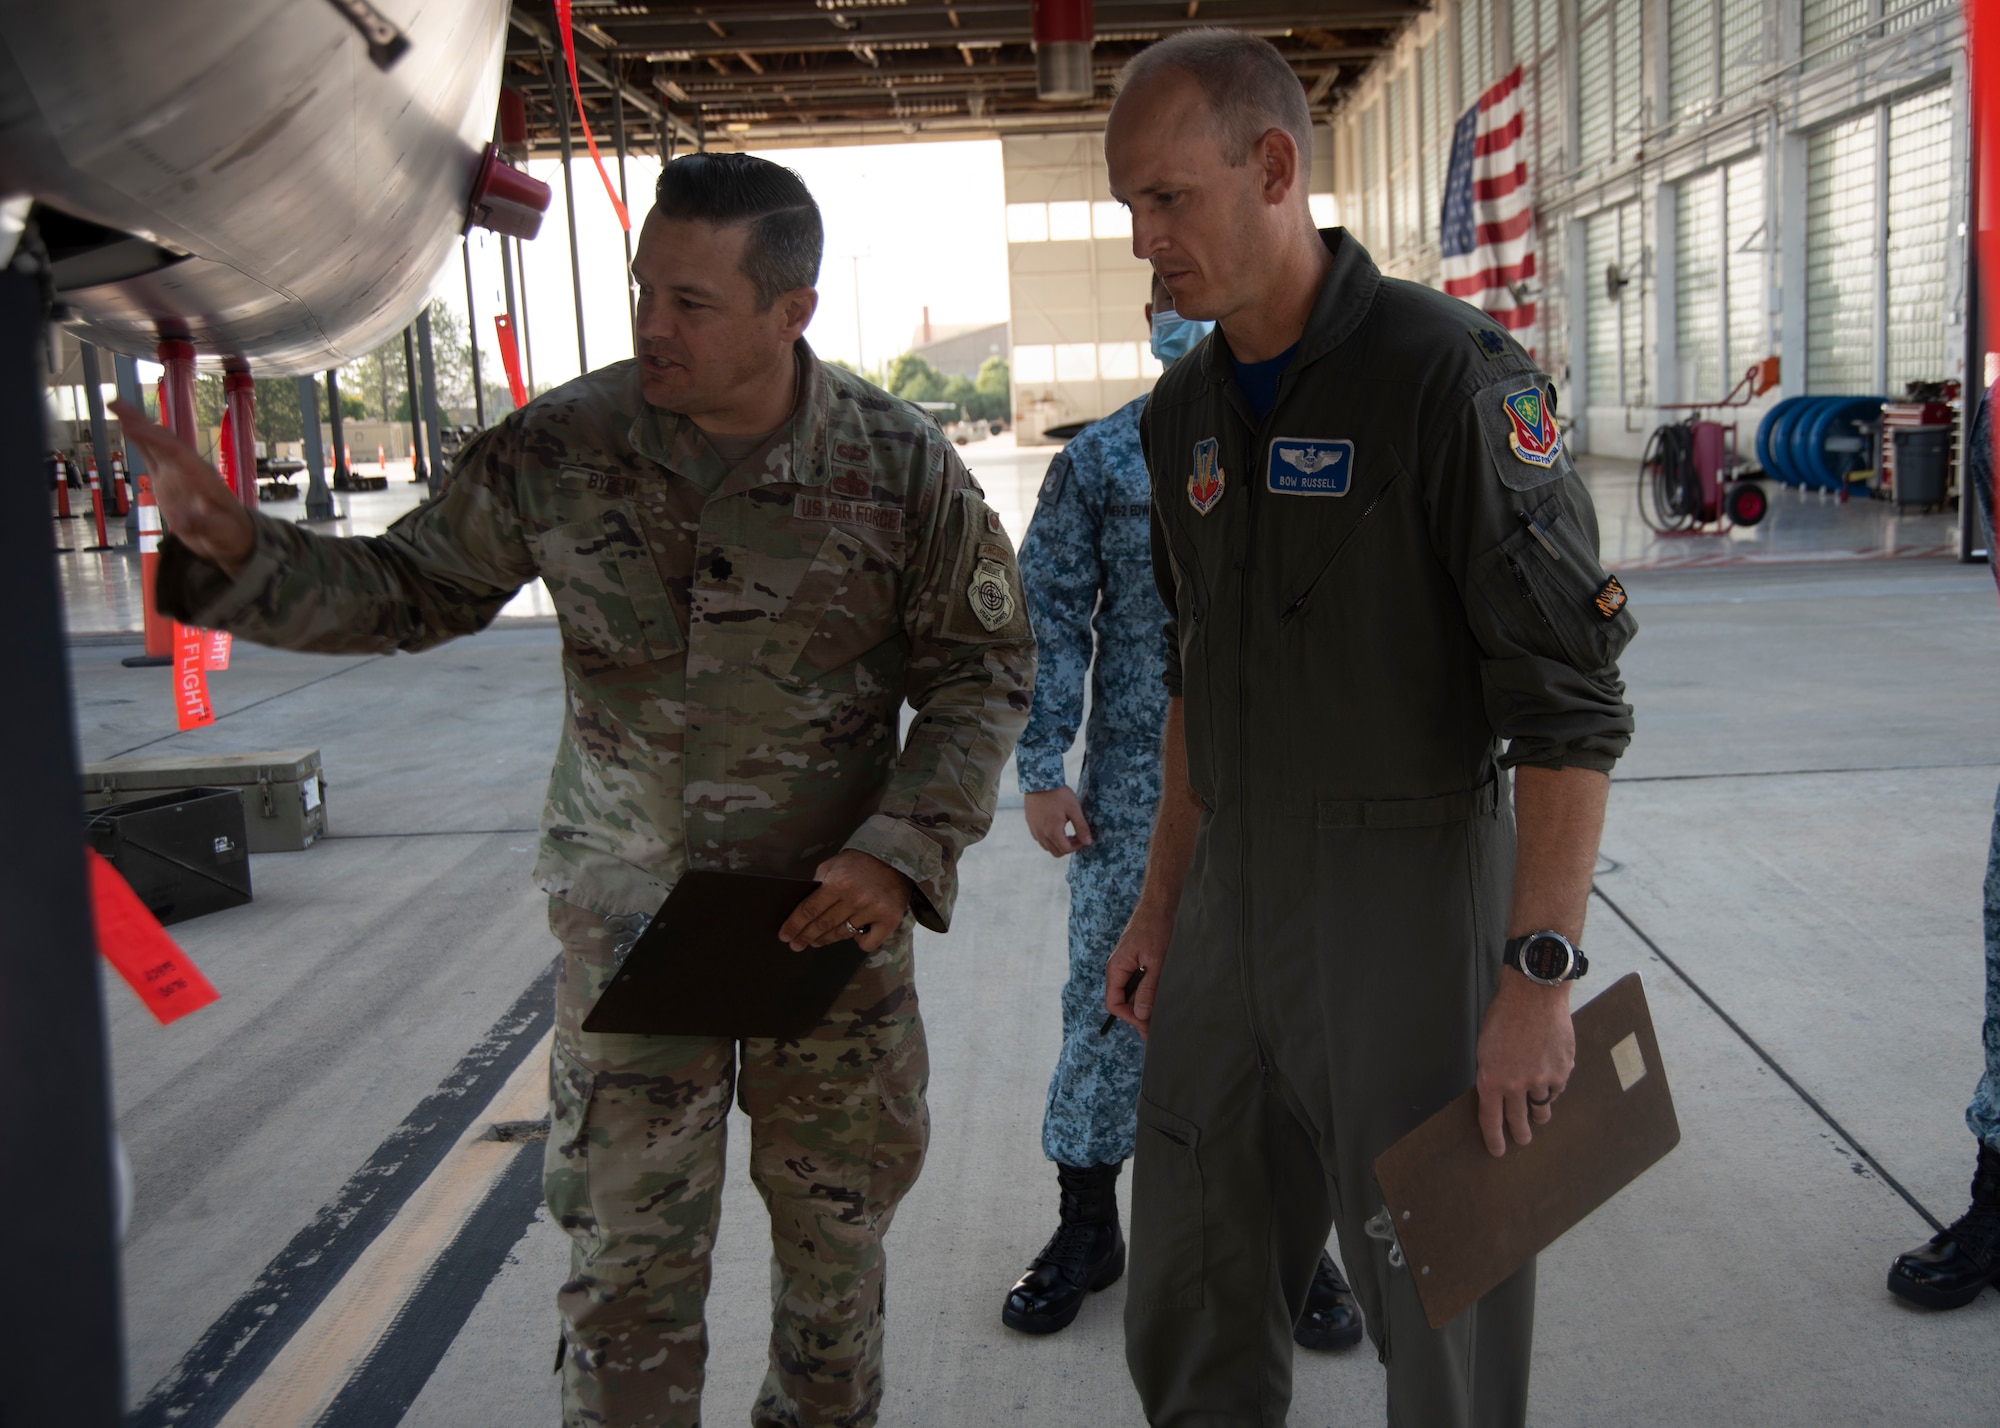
(1087,570)
(1957,1263)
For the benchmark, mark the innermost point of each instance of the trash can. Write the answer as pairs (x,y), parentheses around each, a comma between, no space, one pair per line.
(1923,465)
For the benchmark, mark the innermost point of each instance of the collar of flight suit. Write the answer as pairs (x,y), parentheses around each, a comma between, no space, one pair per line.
(1345,296)
(675,442)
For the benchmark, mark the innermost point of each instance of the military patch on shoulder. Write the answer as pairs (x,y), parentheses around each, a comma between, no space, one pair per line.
(1205,481)
(993,522)
(1518,420)
(873,515)
(1489,341)
(1609,599)
(989,594)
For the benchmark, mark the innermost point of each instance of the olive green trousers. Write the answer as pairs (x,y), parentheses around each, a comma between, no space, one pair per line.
(634,1174)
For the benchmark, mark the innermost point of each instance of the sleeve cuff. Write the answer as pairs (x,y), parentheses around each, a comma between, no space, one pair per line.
(917,858)
(198,592)
(1039,770)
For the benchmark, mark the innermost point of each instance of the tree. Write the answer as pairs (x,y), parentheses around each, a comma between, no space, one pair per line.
(915,380)
(994,390)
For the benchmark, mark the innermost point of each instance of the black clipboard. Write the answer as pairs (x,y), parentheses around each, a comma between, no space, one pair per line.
(711,964)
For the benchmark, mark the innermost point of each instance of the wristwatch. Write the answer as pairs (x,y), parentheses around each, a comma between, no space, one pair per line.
(1546,957)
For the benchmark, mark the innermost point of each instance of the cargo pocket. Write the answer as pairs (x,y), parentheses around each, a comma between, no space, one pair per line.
(1167,1206)
(566,1161)
(607,590)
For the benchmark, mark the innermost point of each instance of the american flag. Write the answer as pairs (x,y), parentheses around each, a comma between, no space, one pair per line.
(1488,232)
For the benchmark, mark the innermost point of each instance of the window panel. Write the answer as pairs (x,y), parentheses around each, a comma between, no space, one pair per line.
(1919,208)
(1068,222)
(1631,307)
(1746,286)
(1690,55)
(1743,41)
(1027,223)
(1822,20)
(1476,34)
(1627,95)
(1034,362)
(1523,24)
(1076,361)
(1840,258)
(1698,286)
(1600,250)
(1117,359)
(1110,219)
(1593,87)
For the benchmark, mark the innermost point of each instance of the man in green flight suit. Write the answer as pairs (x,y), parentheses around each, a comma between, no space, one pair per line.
(756,560)
(1383,594)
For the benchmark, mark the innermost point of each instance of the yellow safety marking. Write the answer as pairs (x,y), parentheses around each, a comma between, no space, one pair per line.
(303,1380)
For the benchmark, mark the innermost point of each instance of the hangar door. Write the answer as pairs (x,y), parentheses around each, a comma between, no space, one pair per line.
(1615,339)
(1878,190)
(1719,267)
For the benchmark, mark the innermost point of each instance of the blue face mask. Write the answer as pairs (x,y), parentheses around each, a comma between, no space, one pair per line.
(1174,335)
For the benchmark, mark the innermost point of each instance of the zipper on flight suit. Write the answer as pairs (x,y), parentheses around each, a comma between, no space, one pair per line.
(1304,595)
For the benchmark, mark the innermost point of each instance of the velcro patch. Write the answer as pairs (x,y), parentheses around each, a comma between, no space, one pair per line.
(1300,467)
(606,483)
(1127,510)
(1609,599)
(989,594)
(872,515)
(1489,341)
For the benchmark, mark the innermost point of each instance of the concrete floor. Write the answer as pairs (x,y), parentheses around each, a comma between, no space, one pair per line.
(1800,829)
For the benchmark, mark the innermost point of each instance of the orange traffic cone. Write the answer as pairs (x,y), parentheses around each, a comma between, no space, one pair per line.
(159,629)
(382,458)
(119,502)
(97,508)
(63,511)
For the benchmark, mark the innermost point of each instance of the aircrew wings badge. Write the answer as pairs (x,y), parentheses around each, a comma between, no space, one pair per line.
(1534,436)
(1205,481)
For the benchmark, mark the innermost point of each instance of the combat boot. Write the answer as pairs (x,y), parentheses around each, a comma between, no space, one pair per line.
(1949,1272)
(1086,1254)
(1332,1319)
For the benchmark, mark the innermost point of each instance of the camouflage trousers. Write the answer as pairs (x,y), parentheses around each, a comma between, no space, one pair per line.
(1983,1115)
(634,1175)
(1092,1113)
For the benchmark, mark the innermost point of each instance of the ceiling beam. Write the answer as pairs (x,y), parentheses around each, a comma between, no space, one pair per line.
(535,30)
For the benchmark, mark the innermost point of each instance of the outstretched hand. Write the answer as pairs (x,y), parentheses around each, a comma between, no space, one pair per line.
(195,503)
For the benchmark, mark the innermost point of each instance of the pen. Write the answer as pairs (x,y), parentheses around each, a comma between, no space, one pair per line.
(1131,986)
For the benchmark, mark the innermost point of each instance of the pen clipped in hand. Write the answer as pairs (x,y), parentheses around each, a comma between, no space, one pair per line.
(1131,986)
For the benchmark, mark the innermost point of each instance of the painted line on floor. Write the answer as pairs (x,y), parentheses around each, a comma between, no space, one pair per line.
(1771,1061)
(308,1374)
(382,1389)
(256,703)
(234,1350)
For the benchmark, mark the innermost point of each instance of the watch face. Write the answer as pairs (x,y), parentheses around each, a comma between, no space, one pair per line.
(1547,959)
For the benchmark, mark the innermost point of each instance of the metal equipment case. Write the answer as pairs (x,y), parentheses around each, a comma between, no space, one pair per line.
(182,852)
(284,790)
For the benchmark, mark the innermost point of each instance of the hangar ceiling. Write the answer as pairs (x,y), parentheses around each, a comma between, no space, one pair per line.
(742,74)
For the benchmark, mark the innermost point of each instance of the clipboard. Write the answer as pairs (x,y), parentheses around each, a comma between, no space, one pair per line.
(710,963)
(1466,1221)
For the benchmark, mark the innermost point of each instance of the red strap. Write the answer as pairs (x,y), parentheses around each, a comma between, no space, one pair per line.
(510,358)
(569,54)
(131,939)
(191,703)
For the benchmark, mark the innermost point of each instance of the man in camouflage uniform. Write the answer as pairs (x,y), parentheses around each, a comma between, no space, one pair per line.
(1088,569)
(755,561)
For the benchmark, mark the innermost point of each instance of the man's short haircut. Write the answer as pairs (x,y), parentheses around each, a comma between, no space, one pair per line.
(1249,86)
(786,238)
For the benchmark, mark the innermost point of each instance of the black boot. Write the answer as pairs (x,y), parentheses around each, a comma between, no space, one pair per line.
(1332,1319)
(1086,1254)
(1949,1272)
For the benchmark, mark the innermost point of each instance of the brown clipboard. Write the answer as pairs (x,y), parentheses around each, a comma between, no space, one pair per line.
(710,963)
(1465,1221)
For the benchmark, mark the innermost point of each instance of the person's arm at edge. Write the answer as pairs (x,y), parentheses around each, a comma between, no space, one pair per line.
(1061,574)
(1143,944)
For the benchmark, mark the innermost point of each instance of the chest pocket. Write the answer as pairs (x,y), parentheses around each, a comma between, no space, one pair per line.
(1127,531)
(1553,594)
(843,606)
(607,590)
